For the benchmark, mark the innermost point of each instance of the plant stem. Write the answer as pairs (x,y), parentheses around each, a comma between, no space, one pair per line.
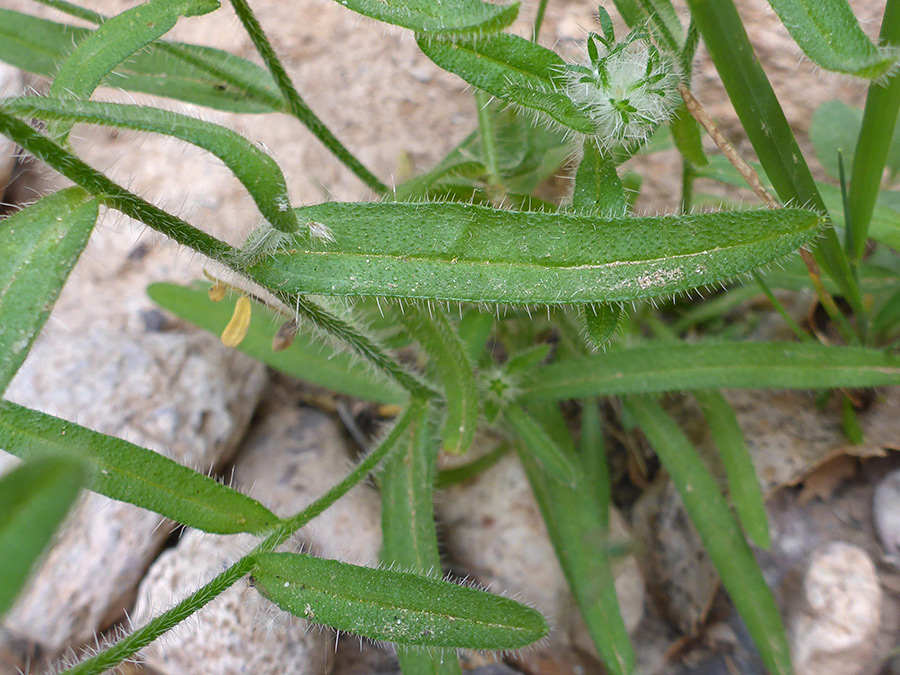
(688,173)
(488,141)
(117,197)
(539,20)
(128,646)
(298,107)
(776,303)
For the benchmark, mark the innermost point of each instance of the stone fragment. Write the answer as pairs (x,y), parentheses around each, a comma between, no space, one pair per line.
(238,631)
(291,456)
(886,515)
(12,83)
(833,625)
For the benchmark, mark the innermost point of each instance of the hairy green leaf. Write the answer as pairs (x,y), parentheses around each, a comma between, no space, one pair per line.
(201,75)
(598,190)
(601,321)
(39,246)
(124,471)
(444,17)
(258,172)
(659,15)
(118,38)
(718,530)
(829,34)
(743,485)
(736,365)
(445,350)
(308,358)
(34,498)
(394,606)
(513,69)
(476,254)
(408,532)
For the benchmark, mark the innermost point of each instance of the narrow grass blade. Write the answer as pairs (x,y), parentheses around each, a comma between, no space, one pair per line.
(39,246)
(659,15)
(408,533)
(888,316)
(190,73)
(117,39)
(124,471)
(829,34)
(258,172)
(399,607)
(450,17)
(878,126)
(445,350)
(545,450)
(763,119)
(743,485)
(577,520)
(688,367)
(460,474)
(513,69)
(34,498)
(718,530)
(476,254)
(309,358)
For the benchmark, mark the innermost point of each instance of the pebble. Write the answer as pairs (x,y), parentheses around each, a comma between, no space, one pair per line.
(832,628)
(886,515)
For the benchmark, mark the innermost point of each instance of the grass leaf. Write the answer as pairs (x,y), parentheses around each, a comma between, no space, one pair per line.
(539,445)
(718,530)
(39,246)
(736,365)
(394,606)
(309,358)
(34,499)
(124,471)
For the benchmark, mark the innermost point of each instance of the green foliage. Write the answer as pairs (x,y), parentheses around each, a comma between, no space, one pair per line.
(471,234)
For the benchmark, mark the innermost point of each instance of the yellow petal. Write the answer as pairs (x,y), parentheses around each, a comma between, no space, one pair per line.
(240,322)
(217,291)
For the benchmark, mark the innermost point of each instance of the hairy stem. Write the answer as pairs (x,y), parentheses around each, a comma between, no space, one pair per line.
(488,141)
(298,107)
(130,645)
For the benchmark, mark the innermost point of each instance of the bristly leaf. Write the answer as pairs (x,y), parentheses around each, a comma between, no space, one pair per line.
(443,346)
(34,499)
(117,39)
(601,321)
(447,17)
(471,253)
(829,34)
(124,471)
(736,365)
(541,446)
(201,75)
(408,532)
(394,606)
(309,358)
(513,69)
(659,16)
(743,485)
(39,246)
(718,530)
(598,190)
(258,172)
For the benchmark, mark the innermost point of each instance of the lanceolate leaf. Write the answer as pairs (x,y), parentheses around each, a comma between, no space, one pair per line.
(737,365)
(743,485)
(124,471)
(444,17)
(201,75)
(117,39)
(394,606)
(598,189)
(476,254)
(408,533)
(258,172)
(443,346)
(721,536)
(541,446)
(39,246)
(513,69)
(34,499)
(829,34)
(308,358)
